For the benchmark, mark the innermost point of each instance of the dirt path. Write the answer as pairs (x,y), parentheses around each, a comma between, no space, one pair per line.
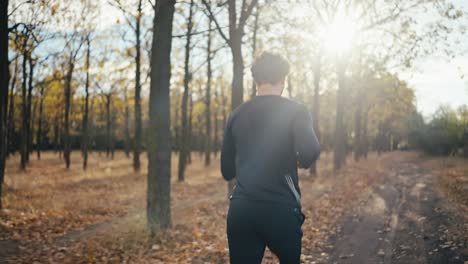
(404,220)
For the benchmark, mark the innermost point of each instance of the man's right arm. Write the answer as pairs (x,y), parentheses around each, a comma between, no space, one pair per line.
(306,144)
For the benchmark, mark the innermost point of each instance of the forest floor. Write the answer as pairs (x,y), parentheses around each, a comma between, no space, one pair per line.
(399,207)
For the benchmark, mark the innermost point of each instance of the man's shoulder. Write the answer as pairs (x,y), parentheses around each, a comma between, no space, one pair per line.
(238,110)
(294,106)
(285,103)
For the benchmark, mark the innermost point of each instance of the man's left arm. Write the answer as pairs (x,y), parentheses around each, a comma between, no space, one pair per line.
(228,154)
(306,144)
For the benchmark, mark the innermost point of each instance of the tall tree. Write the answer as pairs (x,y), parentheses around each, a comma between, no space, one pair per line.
(29,113)
(138,124)
(109,133)
(11,110)
(85,135)
(317,71)
(24,106)
(216,123)
(340,138)
(159,145)
(27,37)
(40,121)
(183,154)
(134,21)
(236,32)
(74,45)
(358,127)
(4,80)
(208,98)
(126,123)
(190,129)
(254,44)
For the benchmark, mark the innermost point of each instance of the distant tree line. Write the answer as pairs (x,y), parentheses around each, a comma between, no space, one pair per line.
(445,133)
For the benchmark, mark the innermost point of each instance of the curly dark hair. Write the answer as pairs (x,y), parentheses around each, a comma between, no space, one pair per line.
(269,68)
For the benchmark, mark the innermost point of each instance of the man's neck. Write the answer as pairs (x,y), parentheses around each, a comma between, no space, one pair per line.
(268,89)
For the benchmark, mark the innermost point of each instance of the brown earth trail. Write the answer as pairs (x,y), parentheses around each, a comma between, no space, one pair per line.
(404,220)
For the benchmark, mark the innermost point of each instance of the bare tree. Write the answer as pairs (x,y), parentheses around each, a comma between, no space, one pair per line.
(340,139)
(24,112)
(134,22)
(74,44)
(23,40)
(159,145)
(190,129)
(85,135)
(138,124)
(29,113)
(254,43)
(126,123)
(208,98)
(11,109)
(317,71)
(216,124)
(4,80)
(184,148)
(40,121)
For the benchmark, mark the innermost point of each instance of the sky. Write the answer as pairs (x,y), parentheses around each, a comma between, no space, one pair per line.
(436,80)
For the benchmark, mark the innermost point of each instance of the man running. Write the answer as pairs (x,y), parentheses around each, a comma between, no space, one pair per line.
(265,140)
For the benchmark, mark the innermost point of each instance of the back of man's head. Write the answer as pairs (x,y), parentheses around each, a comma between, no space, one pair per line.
(269,68)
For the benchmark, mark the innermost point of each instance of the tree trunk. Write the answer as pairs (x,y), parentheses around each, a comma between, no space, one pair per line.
(126,125)
(112,132)
(216,125)
(4,80)
(66,136)
(254,46)
(176,125)
(138,125)
(108,125)
(208,100)
(11,113)
(224,101)
(159,145)
(190,131)
(85,136)
(183,154)
(364,140)
(316,104)
(56,133)
(32,120)
(340,130)
(39,125)
(238,72)
(358,126)
(24,114)
(29,115)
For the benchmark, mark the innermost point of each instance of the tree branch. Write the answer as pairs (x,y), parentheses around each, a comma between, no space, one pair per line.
(212,17)
(246,12)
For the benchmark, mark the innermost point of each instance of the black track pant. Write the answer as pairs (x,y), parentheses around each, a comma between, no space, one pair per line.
(253,225)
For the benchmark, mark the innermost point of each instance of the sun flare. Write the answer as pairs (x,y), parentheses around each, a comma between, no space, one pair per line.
(339,36)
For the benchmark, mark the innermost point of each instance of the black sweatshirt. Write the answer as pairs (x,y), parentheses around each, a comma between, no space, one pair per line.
(265,140)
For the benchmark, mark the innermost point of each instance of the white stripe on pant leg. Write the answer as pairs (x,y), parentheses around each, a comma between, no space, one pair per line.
(293,189)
